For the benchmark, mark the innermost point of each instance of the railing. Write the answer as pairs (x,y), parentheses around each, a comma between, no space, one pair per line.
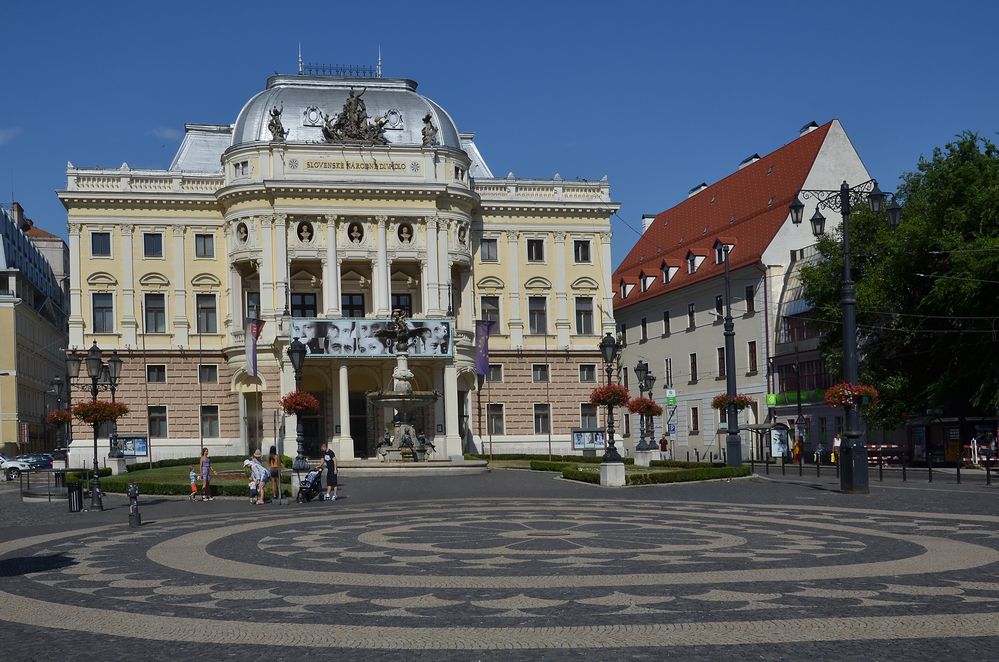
(156,181)
(543,191)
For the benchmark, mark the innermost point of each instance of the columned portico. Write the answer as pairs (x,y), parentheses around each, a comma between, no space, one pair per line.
(331,279)
(345,441)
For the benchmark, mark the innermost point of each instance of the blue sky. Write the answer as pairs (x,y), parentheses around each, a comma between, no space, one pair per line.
(658,96)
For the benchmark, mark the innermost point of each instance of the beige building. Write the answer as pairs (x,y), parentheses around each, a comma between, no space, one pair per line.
(32,331)
(327,205)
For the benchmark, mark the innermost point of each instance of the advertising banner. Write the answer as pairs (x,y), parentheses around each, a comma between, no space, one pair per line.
(588,439)
(360,337)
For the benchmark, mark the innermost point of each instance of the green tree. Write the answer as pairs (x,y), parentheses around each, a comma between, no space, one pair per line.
(927,292)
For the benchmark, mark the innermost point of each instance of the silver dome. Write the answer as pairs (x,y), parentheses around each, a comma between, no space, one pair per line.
(305,98)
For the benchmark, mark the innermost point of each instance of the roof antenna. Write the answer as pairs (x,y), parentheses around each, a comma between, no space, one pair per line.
(378,69)
(301,67)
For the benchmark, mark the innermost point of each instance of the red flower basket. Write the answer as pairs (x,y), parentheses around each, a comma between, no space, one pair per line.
(59,417)
(740,401)
(613,395)
(299,402)
(846,395)
(94,412)
(645,407)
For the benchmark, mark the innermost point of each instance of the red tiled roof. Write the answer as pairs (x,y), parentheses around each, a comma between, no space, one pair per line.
(35,232)
(745,209)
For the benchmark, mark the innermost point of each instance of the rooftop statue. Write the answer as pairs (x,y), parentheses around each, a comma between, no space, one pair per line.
(429,131)
(352,124)
(278,132)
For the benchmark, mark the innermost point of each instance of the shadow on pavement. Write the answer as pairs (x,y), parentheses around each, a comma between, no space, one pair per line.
(24,565)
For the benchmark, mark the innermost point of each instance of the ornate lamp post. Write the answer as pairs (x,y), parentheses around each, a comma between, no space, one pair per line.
(609,348)
(853,478)
(733,442)
(102,376)
(296,354)
(56,385)
(646,381)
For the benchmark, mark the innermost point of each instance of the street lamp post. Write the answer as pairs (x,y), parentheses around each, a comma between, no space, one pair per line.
(733,442)
(296,354)
(646,380)
(60,428)
(853,475)
(609,348)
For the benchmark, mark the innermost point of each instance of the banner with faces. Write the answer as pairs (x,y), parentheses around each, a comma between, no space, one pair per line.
(360,337)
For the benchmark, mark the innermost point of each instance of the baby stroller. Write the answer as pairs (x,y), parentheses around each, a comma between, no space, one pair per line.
(311,487)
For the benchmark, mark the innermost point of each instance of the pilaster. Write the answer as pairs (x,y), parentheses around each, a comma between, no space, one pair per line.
(562,322)
(75,290)
(331,294)
(516,322)
(181,322)
(432,305)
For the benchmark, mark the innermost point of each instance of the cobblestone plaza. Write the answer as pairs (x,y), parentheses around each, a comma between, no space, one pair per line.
(512,565)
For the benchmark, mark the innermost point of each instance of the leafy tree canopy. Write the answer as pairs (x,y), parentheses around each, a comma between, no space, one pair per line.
(927,292)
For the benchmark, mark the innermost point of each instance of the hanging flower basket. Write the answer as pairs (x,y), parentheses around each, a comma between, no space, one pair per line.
(300,402)
(645,407)
(721,401)
(59,417)
(613,395)
(846,395)
(94,412)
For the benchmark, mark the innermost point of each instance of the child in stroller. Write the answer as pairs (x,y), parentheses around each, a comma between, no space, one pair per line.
(311,486)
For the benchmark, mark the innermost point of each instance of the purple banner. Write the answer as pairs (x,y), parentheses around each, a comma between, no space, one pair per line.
(253,328)
(482,346)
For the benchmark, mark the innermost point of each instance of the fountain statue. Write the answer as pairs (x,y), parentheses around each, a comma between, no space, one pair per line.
(403,441)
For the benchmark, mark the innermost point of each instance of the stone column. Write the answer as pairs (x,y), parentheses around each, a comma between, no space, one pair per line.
(432,305)
(332,304)
(514,312)
(608,313)
(236,298)
(266,230)
(181,324)
(452,437)
(281,262)
(378,285)
(562,320)
(424,290)
(467,304)
(444,264)
(346,450)
(75,287)
(128,322)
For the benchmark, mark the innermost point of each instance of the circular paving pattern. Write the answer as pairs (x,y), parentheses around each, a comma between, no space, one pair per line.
(487,573)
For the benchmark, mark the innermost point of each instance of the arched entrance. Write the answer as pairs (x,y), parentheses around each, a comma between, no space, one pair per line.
(251,417)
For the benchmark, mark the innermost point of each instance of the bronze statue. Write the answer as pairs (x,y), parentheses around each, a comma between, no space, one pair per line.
(398,332)
(278,132)
(352,124)
(429,131)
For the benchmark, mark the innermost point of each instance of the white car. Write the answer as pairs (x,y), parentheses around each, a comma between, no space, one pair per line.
(12,468)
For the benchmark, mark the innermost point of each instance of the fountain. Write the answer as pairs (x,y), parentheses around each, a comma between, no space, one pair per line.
(405,442)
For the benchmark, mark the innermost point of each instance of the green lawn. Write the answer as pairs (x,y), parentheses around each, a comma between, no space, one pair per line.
(232,480)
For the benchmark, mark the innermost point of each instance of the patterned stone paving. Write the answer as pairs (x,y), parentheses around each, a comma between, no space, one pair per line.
(479,574)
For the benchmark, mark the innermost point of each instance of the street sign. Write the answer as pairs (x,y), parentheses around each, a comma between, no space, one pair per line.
(672,429)
(670,397)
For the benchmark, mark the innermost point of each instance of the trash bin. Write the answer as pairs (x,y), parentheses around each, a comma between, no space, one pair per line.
(75,491)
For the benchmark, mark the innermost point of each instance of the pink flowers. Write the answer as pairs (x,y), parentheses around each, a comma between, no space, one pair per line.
(300,402)
(613,395)
(846,395)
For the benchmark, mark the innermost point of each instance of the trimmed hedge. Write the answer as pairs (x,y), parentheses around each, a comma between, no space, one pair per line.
(686,475)
(572,473)
(74,476)
(679,464)
(188,461)
(119,483)
(544,465)
(579,459)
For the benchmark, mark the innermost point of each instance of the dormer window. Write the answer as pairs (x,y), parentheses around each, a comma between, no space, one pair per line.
(691,263)
(645,282)
(668,272)
(625,288)
(720,247)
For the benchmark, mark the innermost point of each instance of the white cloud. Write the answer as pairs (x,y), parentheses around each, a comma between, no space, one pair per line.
(7,135)
(166,133)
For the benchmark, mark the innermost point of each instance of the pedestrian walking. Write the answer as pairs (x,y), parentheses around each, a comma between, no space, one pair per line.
(207,472)
(663,447)
(274,464)
(818,453)
(259,475)
(193,476)
(329,459)
(797,450)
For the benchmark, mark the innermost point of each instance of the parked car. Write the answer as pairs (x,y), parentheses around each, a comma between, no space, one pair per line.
(36,460)
(13,468)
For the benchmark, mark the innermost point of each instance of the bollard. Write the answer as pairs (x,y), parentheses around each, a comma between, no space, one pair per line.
(712,458)
(837,465)
(688,456)
(783,463)
(881,466)
(752,464)
(724,459)
(697,455)
(801,464)
(134,518)
(958,464)
(766,463)
(903,471)
(988,473)
(818,467)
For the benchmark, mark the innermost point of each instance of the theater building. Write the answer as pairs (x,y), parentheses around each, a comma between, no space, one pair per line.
(328,204)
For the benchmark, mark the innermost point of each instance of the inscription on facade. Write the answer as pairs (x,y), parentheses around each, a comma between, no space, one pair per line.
(356,166)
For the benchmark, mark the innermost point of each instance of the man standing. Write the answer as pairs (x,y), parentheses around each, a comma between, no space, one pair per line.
(329,459)
(663,447)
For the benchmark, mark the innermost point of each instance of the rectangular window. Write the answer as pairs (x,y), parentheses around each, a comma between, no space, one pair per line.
(581,250)
(624,372)
(103,313)
(152,244)
(537,314)
(719,304)
(253,305)
(542,419)
(668,371)
(588,372)
(645,330)
(535,250)
(539,372)
(156,374)
(587,416)
(695,420)
(665,322)
(624,334)
(487,250)
(690,316)
(156,419)
(495,372)
(723,415)
(495,419)
(155,313)
(303,305)
(208,374)
(100,244)
(404,303)
(209,421)
(352,305)
(721,361)
(627,424)
(584,316)
(207,317)
(750,299)
(204,245)
(491,312)
(751,354)
(693,367)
